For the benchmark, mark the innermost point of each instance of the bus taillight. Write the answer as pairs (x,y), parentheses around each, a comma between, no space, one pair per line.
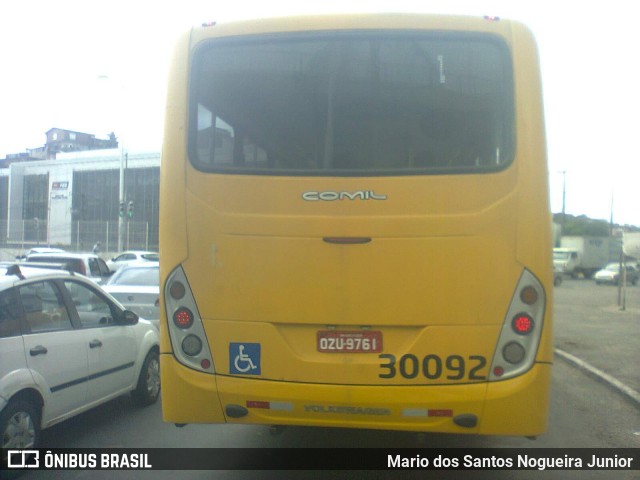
(529,295)
(191,345)
(177,290)
(522,324)
(183,318)
(185,327)
(519,338)
(513,353)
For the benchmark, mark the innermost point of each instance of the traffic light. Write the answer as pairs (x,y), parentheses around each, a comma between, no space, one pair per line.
(121,213)
(130,210)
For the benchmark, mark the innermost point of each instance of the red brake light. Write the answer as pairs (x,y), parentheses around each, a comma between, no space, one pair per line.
(522,324)
(183,318)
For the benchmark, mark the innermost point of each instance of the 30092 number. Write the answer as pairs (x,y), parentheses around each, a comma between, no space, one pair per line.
(433,367)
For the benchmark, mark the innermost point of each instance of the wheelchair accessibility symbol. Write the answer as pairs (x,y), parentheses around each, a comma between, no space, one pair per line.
(244,358)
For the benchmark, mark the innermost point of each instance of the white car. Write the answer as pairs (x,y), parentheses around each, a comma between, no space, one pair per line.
(611,274)
(137,288)
(130,256)
(40,250)
(65,347)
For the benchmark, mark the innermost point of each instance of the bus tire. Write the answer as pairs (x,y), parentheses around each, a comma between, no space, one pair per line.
(148,388)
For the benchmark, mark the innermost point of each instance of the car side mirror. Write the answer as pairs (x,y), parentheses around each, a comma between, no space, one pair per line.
(128,318)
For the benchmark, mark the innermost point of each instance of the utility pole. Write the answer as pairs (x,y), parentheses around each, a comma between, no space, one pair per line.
(564,197)
(121,198)
(611,217)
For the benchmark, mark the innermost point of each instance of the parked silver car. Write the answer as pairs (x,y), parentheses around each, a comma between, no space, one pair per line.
(88,264)
(137,288)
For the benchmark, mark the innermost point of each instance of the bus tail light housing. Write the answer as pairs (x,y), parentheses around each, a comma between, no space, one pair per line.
(186,331)
(521,330)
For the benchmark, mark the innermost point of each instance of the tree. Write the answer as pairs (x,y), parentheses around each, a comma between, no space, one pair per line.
(583,226)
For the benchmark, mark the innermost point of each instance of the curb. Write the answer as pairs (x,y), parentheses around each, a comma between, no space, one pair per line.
(598,374)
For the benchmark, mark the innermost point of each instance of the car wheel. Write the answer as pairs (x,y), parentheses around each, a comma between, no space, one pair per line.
(19,426)
(148,388)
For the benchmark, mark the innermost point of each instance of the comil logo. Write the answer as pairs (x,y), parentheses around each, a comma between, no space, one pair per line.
(330,196)
(23,458)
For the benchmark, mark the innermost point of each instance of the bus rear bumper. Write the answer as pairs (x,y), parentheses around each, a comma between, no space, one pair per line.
(511,407)
(520,404)
(188,396)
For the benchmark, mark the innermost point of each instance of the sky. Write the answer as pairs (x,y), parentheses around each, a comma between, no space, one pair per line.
(98,67)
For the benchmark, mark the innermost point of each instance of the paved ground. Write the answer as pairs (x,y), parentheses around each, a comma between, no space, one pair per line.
(597,334)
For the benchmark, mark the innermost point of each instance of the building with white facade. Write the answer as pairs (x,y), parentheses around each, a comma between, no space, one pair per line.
(74,200)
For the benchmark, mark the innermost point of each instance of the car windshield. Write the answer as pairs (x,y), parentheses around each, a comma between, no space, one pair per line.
(613,267)
(136,276)
(153,257)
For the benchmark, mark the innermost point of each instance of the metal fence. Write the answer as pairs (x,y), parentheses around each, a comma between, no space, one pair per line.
(79,235)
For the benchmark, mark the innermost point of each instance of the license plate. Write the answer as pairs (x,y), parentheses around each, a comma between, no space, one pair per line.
(335,341)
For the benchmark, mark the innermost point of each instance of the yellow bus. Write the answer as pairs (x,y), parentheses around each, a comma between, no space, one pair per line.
(355,229)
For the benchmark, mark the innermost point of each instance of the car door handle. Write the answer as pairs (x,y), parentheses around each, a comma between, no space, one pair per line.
(95,344)
(39,350)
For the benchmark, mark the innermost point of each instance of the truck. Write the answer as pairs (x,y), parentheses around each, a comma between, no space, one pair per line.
(580,256)
(631,244)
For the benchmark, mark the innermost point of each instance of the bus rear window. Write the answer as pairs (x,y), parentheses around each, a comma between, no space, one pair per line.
(352,104)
